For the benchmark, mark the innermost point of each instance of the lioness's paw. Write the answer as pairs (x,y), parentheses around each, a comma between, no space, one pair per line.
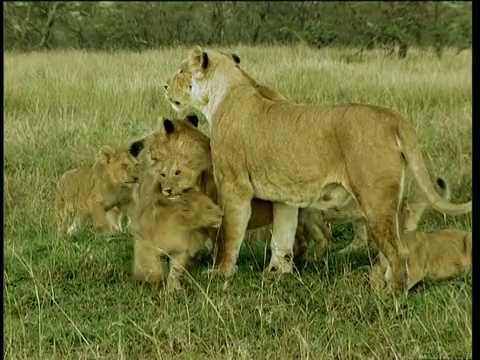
(280,265)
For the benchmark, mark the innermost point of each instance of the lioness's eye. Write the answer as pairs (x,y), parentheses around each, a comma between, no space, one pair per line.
(181,71)
(162,175)
(177,172)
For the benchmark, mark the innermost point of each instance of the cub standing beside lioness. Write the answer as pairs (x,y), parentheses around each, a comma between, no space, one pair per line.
(296,155)
(86,194)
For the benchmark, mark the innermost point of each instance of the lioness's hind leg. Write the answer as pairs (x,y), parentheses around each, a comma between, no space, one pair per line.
(381,208)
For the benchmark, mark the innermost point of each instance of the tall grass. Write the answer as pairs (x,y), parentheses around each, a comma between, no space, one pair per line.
(74,298)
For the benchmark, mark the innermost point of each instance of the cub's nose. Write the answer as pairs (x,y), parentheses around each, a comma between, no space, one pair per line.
(167,192)
(165,86)
(135,178)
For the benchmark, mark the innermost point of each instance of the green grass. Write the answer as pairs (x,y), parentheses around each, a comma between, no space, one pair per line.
(75,298)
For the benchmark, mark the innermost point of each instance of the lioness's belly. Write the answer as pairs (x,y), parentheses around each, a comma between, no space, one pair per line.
(314,194)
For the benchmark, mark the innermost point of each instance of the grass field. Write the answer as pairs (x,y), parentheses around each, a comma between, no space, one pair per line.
(75,299)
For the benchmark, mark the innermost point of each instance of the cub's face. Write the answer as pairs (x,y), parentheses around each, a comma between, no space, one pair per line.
(176,177)
(201,210)
(120,165)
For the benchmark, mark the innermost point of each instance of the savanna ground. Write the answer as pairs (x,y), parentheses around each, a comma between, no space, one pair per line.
(74,298)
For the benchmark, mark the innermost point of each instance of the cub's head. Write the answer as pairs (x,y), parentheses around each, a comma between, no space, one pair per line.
(173,136)
(189,84)
(199,211)
(176,176)
(118,165)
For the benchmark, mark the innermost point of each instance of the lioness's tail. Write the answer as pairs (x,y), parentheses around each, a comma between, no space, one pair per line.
(409,146)
(414,211)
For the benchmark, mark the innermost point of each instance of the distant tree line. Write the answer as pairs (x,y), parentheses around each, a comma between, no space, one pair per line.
(106,25)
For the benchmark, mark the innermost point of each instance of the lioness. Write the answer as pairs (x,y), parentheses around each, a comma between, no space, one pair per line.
(171,228)
(180,154)
(297,155)
(86,194)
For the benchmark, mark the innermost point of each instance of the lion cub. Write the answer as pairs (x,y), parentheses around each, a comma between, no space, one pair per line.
(437,255)
(173,228)
(91,194)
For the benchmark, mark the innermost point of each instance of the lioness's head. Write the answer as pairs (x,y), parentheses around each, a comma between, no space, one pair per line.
(183,88)
(199,210)
(118,165)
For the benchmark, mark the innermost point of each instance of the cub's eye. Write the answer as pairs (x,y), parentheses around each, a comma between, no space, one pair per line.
(124,166)
(181,71)
(162,175)
(178,172)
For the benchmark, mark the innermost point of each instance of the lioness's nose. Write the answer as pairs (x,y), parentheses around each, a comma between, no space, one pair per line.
(167,191)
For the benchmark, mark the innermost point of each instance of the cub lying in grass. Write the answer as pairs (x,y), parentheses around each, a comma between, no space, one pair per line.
(85,195)
(437,255)
(171,227)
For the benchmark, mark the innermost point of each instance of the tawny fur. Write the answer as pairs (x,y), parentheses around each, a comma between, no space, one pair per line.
(437,255)
(92,195)
(181,159)
(173,228)
(296,155)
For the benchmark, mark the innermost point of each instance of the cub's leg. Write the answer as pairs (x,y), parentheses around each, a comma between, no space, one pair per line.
(100,220)
(62,215)
(237,210)
(285,221)
(360,240)
(312,226)
(177,267)
(114,218)
(146,265)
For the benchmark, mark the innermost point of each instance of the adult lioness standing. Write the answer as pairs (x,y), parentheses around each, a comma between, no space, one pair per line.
(305,156)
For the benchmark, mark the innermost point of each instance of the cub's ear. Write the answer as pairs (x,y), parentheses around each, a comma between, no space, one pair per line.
(198,58)
(236,58)
(136,147)
(193,119)
(105,154)
(169,127)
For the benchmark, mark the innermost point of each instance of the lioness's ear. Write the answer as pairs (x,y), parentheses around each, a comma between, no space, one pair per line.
(236,58)
(105,154)
(193,119)
(198,58)
(136,147)
(168,125)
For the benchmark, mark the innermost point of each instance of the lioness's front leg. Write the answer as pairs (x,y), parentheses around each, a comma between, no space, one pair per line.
(237,210)
(285,220)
